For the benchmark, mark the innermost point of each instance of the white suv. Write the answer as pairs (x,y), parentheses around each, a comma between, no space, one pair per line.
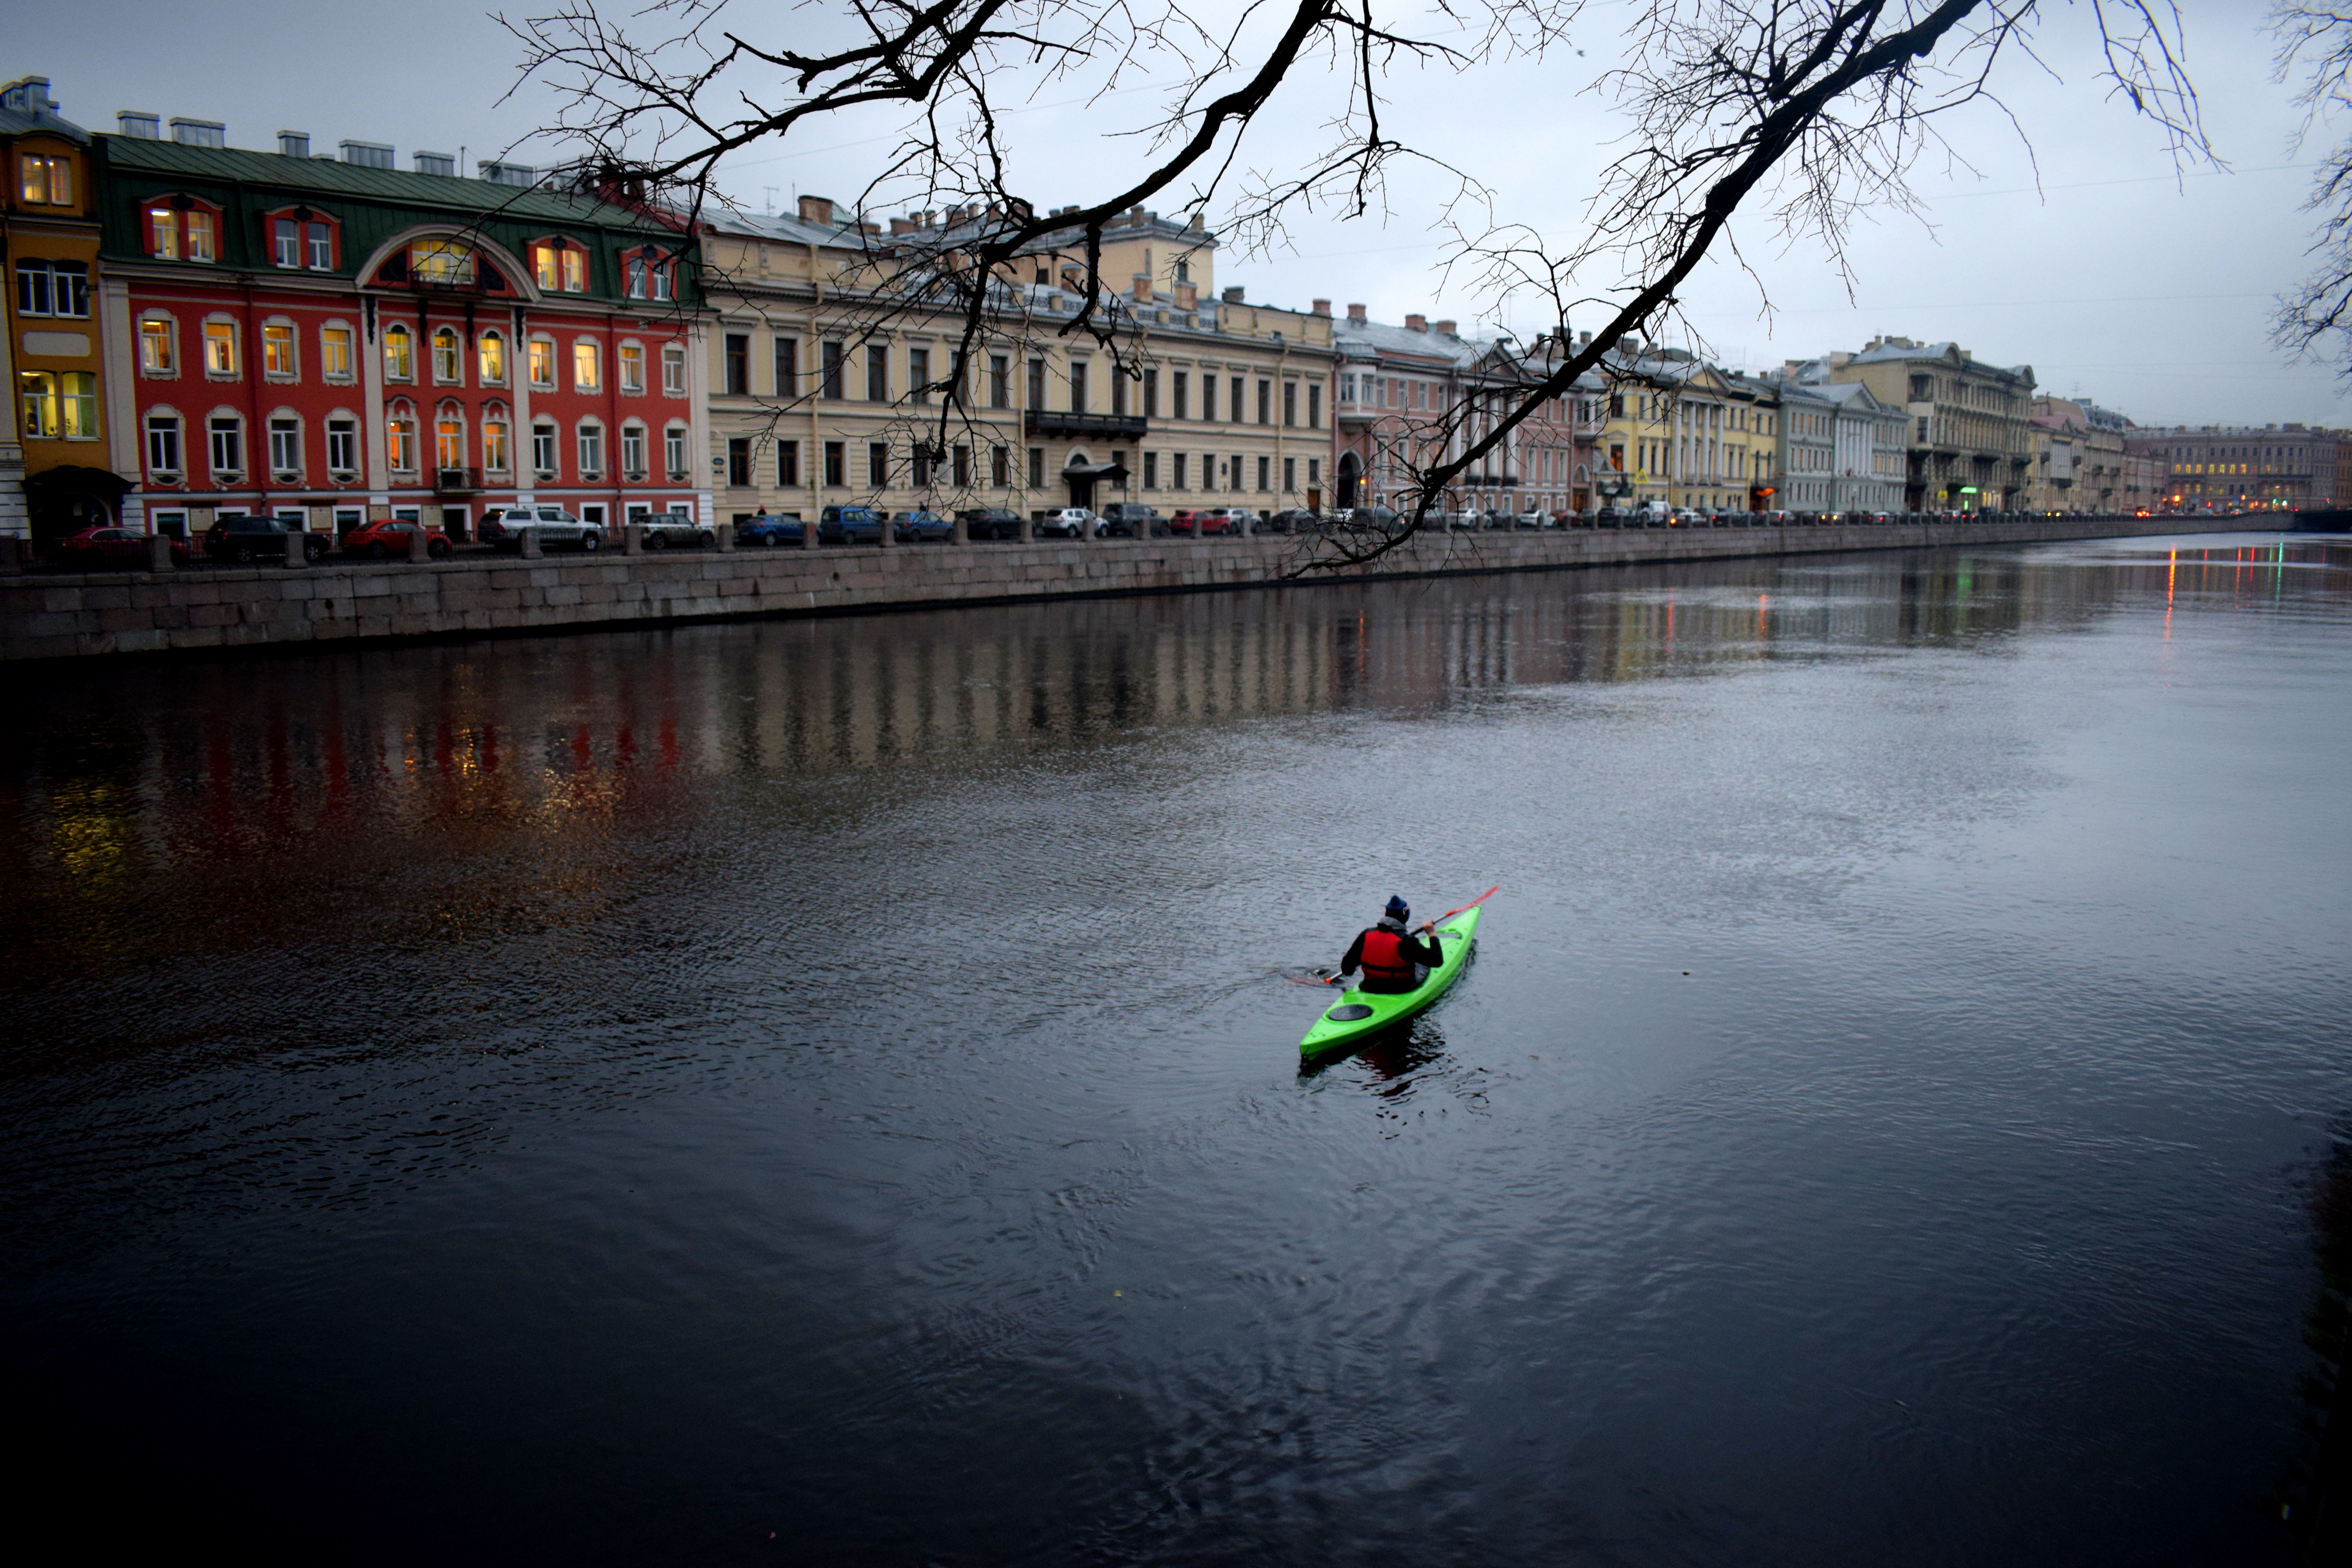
(665,528)
(553,524)
(1068,522)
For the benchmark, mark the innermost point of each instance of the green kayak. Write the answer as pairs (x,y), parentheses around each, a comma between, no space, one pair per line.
(1358,1014)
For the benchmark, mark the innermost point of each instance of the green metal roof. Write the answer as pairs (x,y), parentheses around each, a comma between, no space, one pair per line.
(320,176)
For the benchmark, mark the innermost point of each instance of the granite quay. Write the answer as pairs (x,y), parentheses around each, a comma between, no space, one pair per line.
(61,616)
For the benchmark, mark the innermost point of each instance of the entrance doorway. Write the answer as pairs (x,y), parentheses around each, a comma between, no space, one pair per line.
(1350,471)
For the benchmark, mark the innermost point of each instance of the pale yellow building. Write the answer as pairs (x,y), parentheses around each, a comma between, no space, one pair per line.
(1680,433)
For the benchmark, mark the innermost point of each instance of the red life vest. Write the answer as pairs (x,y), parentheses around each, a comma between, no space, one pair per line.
(1384,960)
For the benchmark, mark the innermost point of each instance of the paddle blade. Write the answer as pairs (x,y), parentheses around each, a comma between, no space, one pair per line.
(1475,902)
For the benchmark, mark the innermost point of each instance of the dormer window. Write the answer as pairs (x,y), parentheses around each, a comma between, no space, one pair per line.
(180,230)
(651,275)
(446,262)
(560,266)
(301,239)
(46,182)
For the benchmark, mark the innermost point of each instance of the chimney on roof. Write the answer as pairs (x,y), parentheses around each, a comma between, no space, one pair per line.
(816,209)
(28,95)
(1321,306)
(199,132)
(869,226)
(140,123)
(1188,296)
(1583,341)
(293,144)
(1233,296)
(902,225)
(1416,323)
(1355,315)
(1198,225)
(1446,328)
(1140,288)
(367,154)
(442,164)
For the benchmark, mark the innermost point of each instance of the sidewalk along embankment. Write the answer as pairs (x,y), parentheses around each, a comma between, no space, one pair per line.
(116,613)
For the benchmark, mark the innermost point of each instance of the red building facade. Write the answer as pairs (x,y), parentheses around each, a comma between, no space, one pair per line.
(332,343)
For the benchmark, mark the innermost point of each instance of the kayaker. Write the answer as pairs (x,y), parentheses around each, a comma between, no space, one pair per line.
(1388,953)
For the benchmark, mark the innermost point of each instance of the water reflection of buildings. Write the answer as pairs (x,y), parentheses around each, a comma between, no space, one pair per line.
(159,763)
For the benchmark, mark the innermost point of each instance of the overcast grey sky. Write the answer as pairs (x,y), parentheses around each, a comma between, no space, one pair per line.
(2114,278)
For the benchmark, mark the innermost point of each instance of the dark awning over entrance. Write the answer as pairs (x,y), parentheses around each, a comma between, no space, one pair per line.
(1095,471)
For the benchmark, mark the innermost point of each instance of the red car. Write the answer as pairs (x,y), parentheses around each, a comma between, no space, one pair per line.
(98,546)
(1211,519)
(389,540)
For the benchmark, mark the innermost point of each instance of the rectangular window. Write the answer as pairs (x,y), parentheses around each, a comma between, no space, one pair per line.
(877,374)
(1037,467)
(1151,470)
(878,464)
(77,405)
(739,461)
(49,181)
(287,237)
(220,348)
(673,371)
(1000,381)
(35,289)
(788,464)
(1235,472)
(1265,403)
(1117,392)
(320,242)
(284,446)
(1208,399)
(494,445)
(638,286)
(1313,470)
(1176,471)
(399,355)
(1000,467)
(918,375)
(1290,475)
(829,361)
(919,463)
(542,364)
(788,366)
(37,390)
(1265,473)
(1178,387)
(1078,387)
(335,354)
(962,467)
(198,228)
(737,380)
(400,441)
(163,445)
(1314,405)
(1036,383)
(1151,395)
(587,366)
(633,367)
(632,451)
(673,451)
(542,265)
(836,463)
(542,450)
(226,433)
(575,269)
(155,348)
(591,450)
(277,350)
(163,233)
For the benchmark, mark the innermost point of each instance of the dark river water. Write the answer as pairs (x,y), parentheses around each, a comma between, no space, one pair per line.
(828,1091)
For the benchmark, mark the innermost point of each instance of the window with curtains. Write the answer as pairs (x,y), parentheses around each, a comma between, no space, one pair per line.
(278,351)
(400,443)
(495,455)
(448,362)
(158,346)
(633,369)
(399,355)
(587,366)
(220,348)
(448,442)
(542,364)
(490,356)
(335,353)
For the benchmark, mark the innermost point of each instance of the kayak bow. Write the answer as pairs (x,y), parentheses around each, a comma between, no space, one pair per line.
(1358,1014)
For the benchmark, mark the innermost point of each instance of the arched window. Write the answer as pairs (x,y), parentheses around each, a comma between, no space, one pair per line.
(448,364)
(449,436)
(399,354)
(497,457)
(591,450)
(159,344)
(493,356)
(400,438)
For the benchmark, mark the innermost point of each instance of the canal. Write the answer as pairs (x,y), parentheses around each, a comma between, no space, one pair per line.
(826,1091)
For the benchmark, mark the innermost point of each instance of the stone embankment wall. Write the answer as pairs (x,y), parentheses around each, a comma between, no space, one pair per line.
(48,615)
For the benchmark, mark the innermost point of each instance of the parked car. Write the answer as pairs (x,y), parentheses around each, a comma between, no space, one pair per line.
(990,523)
(768,528)
(389,540)
(1534,517)
(552,525)
(1379,519)
(849,525)
(1295,520)
(913,527)
(1130,519)
(110,547)
(666,529)
(239,537)
(1066,522)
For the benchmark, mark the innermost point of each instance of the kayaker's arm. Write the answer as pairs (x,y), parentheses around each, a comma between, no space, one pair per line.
(1355,956)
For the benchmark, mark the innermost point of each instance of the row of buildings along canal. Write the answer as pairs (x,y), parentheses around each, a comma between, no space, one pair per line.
(198,329)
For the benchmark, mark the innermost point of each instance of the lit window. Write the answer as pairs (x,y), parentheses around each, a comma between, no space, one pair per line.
(542,449)
(493,359)
(632,451)
(163,445)
(448,444)
(344,445)
(494,445)
(199,230)
(227,435)
(542,265)
(542,363)
(575,269)
(446,365)
(587,367)
(38,393)
(287,235)
(441,261)
(399,355)
(633,367)
(277,348)
(285,445)
(674,370)
(49,181)
(220,348)
(673,451)
(592,451)
(400,433)
(77,405)
(335,354)
(320,243)
(156,356)
(164,234)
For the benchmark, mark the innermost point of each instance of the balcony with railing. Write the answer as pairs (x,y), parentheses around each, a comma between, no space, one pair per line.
(456,481)
(1084,426)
